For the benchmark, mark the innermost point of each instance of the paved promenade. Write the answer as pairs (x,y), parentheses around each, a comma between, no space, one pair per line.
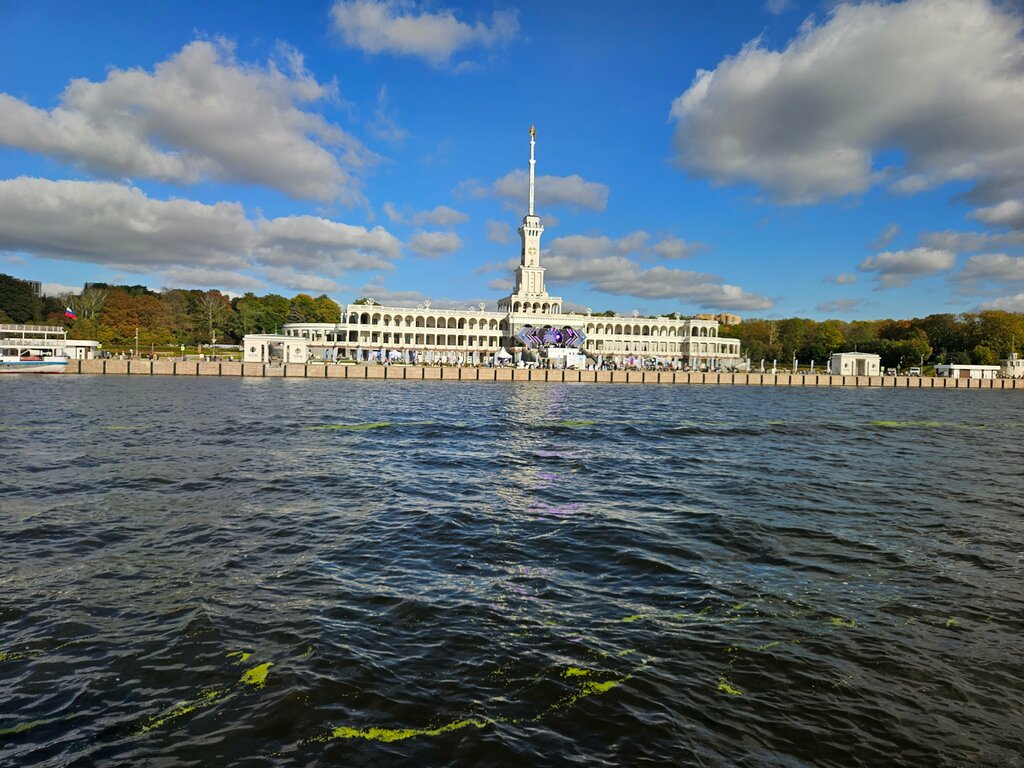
(319,371)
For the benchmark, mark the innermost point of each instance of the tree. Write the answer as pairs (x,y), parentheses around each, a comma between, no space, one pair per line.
(326,310)
(17,300)
(302,309)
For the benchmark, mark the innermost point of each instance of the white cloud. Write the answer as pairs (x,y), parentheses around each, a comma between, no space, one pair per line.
(200,114)
(672,247)
(603,263)
(998,269)
(839,305)
(895,269)
(514,188)
(939,81)
(499,232)
(885,238)
(777,7)
(312,243)
(301,283)
(500,284)
(394,215)
(435,244)
(399,27)
(384,126)
(441,216)
(844,278)
(1009,213)
(114,225)
(1013,303)
(56,289)
(203,278)
(971,241)
(389,298)
(197,244)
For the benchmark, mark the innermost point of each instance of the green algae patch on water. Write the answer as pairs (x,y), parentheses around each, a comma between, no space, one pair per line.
(924,425)
(353,427)
(631,619)
(388,735)
(257,676)
(243,656)
(835,621)
(951,623)
(203,701)
(726,687)
(576,672)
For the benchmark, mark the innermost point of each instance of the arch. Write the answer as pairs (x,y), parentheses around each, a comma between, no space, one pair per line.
(353,318)
(431,323)
(646,330)
(365,318)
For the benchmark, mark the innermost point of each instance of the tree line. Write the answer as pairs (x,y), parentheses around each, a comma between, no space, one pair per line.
(978,338)
(112,313)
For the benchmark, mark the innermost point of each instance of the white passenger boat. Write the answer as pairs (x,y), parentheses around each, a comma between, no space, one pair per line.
(33,349)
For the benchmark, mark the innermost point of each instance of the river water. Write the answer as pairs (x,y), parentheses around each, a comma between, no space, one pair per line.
(292,572)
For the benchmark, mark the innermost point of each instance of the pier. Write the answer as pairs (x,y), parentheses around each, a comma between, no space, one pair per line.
(418,373)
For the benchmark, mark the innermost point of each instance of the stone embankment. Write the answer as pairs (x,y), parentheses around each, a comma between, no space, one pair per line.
(320,371)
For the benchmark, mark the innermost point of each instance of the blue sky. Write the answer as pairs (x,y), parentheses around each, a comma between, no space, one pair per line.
(771,158)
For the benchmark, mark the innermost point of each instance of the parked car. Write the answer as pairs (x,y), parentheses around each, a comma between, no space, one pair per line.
(914,371)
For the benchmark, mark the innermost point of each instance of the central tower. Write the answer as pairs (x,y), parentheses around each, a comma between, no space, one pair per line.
(529,295)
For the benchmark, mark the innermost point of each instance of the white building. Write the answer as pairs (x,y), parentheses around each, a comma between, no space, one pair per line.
(957,371)
(274,348)
(82,349)
(1013,367)
(477,335)
(854,364)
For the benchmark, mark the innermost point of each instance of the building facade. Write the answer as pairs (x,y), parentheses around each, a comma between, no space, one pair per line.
(481,336)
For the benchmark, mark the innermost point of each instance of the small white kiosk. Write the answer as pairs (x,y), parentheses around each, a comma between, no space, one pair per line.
(854,364)
(274,348)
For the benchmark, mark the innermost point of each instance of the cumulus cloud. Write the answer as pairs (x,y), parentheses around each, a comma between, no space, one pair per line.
(672,247)
(394,215)
(951,240)
(499,232)
(839,305)
(310,242)
(895,269)
(500,284)
(300,282)
(435,244)
(938,81)
(390,298)
(203,278)
(1013,303)
(1009,213)
(441,216)
(115,225)
(400,27)
(989,272)
(604,264)
(514,188)
(200,114)
(194,243)
(844,278)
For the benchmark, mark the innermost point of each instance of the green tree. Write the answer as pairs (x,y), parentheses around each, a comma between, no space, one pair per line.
(326,310)
(302,309)
(17,300)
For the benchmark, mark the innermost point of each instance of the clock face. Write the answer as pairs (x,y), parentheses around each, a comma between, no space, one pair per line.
(533,251)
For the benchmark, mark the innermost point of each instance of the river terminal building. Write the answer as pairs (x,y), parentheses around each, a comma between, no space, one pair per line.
(481,336)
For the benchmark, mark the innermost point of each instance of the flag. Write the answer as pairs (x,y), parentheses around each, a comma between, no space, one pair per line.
(68,312)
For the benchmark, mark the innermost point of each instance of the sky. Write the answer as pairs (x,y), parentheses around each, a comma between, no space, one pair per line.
(771,159)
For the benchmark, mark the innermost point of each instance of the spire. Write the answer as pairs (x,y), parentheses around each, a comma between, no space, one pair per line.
(533,140)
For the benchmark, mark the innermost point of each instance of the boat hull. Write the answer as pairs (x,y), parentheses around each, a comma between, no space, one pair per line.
(33,366)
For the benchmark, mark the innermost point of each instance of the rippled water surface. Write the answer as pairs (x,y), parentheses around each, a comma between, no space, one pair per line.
(290,572)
